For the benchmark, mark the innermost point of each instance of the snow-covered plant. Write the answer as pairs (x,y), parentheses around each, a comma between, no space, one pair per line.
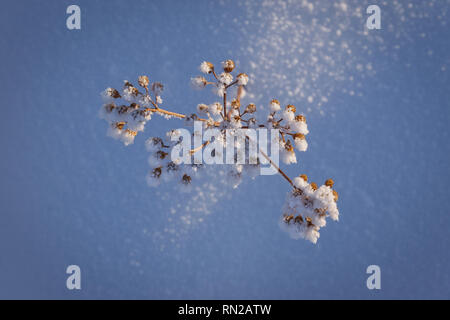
(127,112)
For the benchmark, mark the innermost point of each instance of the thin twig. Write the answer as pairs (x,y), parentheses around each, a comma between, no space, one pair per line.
(199,147)
(284,175)
(225,104)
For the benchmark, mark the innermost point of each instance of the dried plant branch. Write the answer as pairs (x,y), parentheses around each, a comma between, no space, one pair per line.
(307,205)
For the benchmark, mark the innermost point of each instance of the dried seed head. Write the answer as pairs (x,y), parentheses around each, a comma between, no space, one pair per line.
(300,117)
(131,132)
(313,186)
(130,89)
(111,92)
(143,81)
(297,192)
(109,107)
(288,146)
(120,125)
(298,219)
(186,179)
(304,177)
(202,108)
(199,82)
(274,105)
(275,101)
(206,67)
(157,88)
(242,79)
(329,183)
(291,108)
(225,78)
(235,104)
(251,108)
(309,221)
(228,66)
(154,143)
(122,109)
(191,118)
(288,218)
(215,108)
(134,106)
(161,154)
(299,136)
(336,195)
(156,172)
(172,166)
(210,123)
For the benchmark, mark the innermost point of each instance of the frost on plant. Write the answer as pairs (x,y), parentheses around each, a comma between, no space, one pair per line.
(228,119)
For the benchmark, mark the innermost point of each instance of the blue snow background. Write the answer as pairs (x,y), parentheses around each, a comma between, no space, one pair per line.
(71,195)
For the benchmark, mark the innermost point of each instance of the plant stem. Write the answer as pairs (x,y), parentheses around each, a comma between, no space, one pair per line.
(182,116)
(284,175)
(225,105)
(199,148)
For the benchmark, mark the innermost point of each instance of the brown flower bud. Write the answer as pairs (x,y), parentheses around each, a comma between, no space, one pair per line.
(336,195)
(172,166)
(288,146)
(207,67)
(109,107)
(132,89)
(114,93)
(156,141)
(228,66)
(329,183)
(131,132)
(161,154)
(304,177)
(156,172)
(120,125)
(235,104)
(186,179)
(298,219)
(288,218)
(291,108)
(300,117)
(134,106)
(275,101)
(202,107)
(314,186)
(143,81)
(297,192)
(299,136)
(242,79)
(157,87)
(251,108)
(122,109)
